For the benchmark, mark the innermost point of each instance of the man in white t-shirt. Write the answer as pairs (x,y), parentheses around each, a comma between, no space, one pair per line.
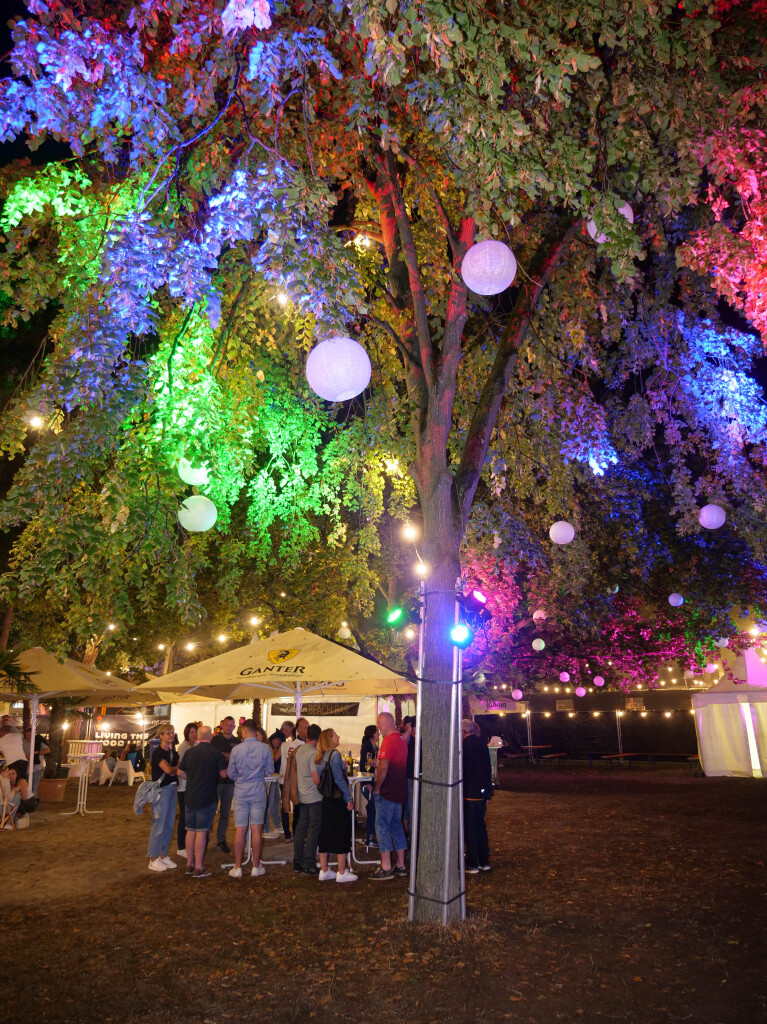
(288,749)
(12,749)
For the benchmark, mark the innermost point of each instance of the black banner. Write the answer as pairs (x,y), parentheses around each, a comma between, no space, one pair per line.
(118,731)
(335,710)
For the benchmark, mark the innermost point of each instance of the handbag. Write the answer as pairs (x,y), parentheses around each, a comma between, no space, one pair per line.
(327,786)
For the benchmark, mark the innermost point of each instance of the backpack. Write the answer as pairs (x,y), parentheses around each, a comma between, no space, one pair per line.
(147,793)
(327,786)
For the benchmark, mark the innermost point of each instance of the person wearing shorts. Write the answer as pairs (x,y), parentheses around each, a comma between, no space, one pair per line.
(249,764)
(202,766)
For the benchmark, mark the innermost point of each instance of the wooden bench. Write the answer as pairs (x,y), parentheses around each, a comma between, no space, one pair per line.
(620,757)
(554,757)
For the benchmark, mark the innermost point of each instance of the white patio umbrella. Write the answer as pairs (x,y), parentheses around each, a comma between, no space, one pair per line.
(69,678)
(289,665)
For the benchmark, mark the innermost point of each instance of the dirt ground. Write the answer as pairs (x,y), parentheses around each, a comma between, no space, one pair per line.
(635,896)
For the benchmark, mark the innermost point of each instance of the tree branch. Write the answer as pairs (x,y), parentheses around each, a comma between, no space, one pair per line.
(418,299)
(400,345)
(486,413)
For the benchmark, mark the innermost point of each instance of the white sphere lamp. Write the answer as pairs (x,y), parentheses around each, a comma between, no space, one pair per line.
(195,476)
(538,644)
(564,677)
(711,517)
(723,641)
(197,514)
(599,236)
(344,633)
(488,267)
(338,369)
(599,681)
(517,694)
(539,615)
(561,532)
(675,600)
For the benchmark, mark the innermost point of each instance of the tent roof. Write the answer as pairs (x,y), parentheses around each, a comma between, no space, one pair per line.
(749,684)
(288,665)
(70,678)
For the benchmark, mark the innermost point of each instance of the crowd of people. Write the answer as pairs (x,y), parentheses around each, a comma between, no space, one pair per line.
(294,785)
(15,751)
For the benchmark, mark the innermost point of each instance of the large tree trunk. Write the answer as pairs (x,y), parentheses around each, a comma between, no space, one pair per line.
(439,848)
(5,627)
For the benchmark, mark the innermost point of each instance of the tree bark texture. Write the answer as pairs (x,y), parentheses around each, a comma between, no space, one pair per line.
(5,628)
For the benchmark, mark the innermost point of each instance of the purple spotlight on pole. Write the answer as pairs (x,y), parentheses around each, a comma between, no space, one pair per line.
(475,601)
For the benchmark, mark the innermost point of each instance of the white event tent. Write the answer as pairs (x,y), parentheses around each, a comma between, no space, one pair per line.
(731,719)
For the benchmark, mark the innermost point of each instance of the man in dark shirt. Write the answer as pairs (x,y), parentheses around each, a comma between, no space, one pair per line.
(203,767)
(225,741)
(477,790)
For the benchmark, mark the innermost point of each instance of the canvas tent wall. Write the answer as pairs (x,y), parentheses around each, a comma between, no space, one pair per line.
(731,720)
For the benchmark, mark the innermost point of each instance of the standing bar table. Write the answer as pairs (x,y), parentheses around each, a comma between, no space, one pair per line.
(83,752)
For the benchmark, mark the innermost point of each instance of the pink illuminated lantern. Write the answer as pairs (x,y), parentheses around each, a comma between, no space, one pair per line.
(711,517)
(564,677)
(711,668)
(338,369)
(599,681)
(675,600)
(580,691)
(517,694)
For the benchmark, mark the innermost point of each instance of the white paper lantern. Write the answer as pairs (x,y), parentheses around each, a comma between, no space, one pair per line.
(711,668)
(675,600)
(539,615)
(562,532)
(580,691)
(197,514)
(489,267)
(564,677)
(711,517)
(599,681)
(344,633)
(599,236)
(613,589)
(517,694)
(338,369)
(195,476)
(723,641)
(538,644)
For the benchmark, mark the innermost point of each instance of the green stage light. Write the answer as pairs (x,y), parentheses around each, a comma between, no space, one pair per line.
(396,617)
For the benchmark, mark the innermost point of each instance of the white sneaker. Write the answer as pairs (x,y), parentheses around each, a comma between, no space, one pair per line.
(181,852)
(347,876)
(235,873)
(327,876)
(272,835)
(168,862)
(256,872)
(157,865)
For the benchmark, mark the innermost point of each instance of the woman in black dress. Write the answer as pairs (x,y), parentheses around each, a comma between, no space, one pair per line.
(336,830)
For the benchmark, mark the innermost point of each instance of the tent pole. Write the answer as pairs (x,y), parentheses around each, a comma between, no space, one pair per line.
(34,702)
(620,735)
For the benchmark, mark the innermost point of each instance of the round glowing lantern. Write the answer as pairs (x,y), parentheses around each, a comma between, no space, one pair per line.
(599,681)
(517,694)
(338,369)
(711,668)
(711,517)
(689,674)
(564,677)
(197,514)
(195,476)
(599,236)
(562,532)
(613,589)
(538,644)
(489,267)
(344,632)
(723,641)
(580,691)
(539,615)
(675,600)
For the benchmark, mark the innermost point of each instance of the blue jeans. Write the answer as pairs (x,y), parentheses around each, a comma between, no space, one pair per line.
(273,811)
(389,831)
(225,793)
(163,820)
(370,827)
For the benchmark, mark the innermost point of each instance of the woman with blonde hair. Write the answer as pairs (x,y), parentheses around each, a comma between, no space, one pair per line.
(329,774)
(165,771)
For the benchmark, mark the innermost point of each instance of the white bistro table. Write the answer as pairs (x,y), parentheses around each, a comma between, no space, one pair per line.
(83,752)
